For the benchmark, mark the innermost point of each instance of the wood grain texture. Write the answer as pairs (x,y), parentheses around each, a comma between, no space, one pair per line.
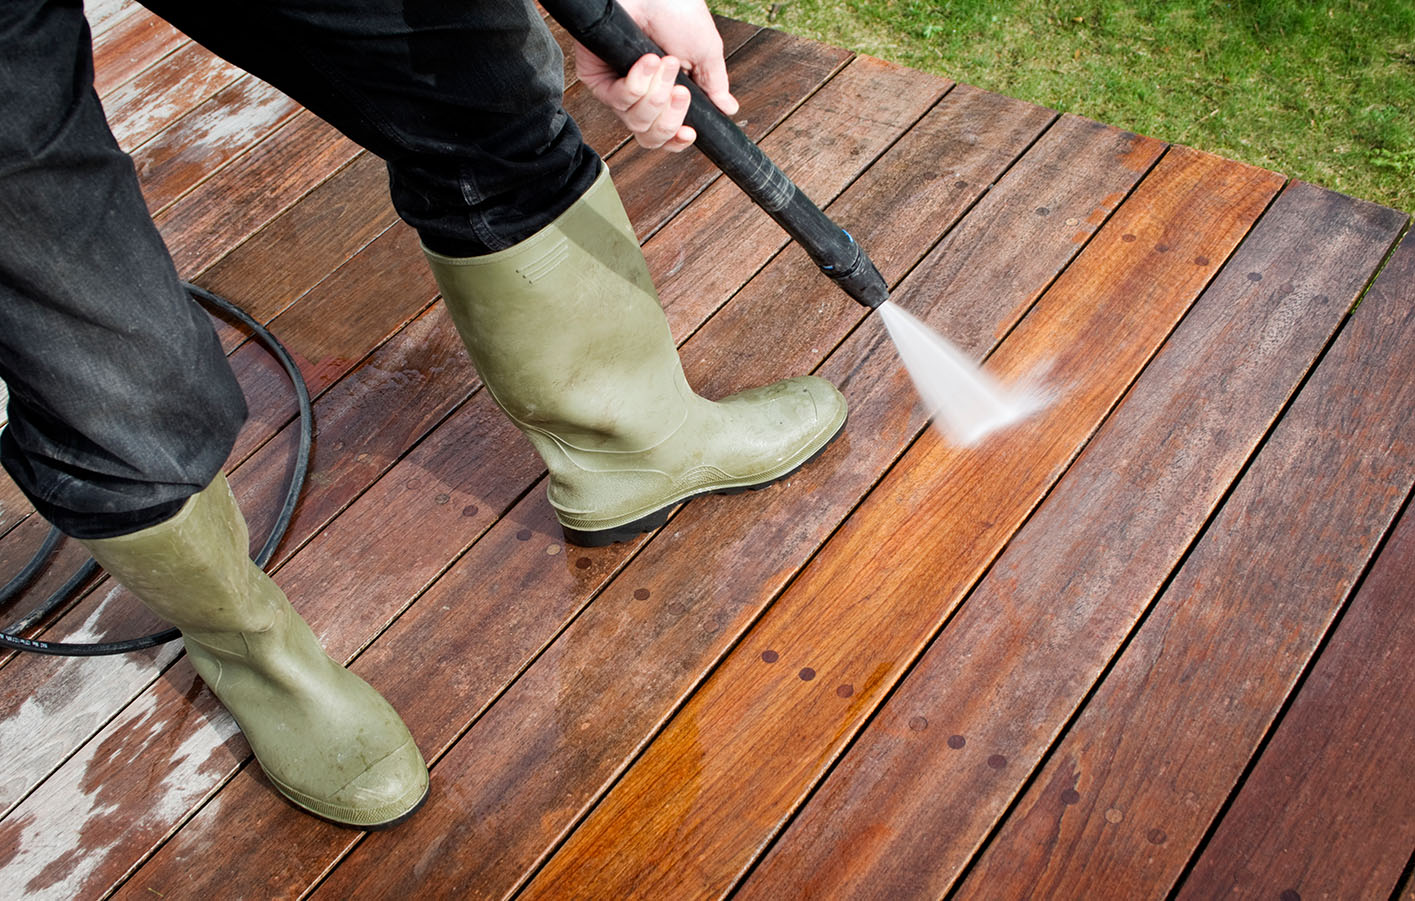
(522,557)
(102,14)
(51,684)
(1163,740)
(164,93)
(250,191)
(14,507)
(16,550)
(304,245)
(699,804)
(219,130)
(133,40)
(326,357)
(1329,809)
(348,582)
(905,810)
(294,335)
(530,764)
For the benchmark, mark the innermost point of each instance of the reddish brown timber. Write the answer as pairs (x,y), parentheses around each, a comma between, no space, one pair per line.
(697,807)
(333,327)
(157,98)
(529,766)
(19,546)
(1162,741)
(376,292)
(103,14)
(221,129)
(348,581)
(295,251)
(1329,809)
(784,71)
(14,507)
(511,561)
(248,192)
(135,40)
(368,283)
(917,792)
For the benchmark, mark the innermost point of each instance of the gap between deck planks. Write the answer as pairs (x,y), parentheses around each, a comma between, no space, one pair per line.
(274,381)
(514,559)
(1331,805)
(827,651)
(581,729)
(943,758)
(1230,635)
(535,517)
(830,51)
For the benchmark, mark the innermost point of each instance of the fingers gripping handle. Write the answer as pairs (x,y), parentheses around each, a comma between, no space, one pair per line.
(604,28)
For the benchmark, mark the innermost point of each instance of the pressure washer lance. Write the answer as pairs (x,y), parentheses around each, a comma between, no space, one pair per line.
(961,399)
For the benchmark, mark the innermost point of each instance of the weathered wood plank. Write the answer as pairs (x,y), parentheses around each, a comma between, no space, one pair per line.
(375,289)
(916,794)
(525,771)
(1330,807)
(16,550)
(1166,735)
(521,556)
(248,192)
(304,244)
(348,581)
(283,331)
(367,283)
(221,129)
(333,327)
(133,40)
(695,809)
(102,14)
(13,505)
(166,92)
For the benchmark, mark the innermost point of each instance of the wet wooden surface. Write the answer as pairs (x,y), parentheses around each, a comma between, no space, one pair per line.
(1154,639)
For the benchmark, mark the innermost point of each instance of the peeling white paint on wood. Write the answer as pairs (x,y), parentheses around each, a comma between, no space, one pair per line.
(55,850)
(222,125)
(156,99)
(74,701)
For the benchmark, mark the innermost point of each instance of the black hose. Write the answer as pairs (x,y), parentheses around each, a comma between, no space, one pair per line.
(606,30)
(10,637)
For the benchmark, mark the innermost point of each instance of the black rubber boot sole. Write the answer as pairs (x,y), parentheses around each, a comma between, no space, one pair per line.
(631,530)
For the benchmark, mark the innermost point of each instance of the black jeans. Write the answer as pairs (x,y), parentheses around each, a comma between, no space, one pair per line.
(121,402)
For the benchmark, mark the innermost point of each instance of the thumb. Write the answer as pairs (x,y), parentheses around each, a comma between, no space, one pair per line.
(712,78)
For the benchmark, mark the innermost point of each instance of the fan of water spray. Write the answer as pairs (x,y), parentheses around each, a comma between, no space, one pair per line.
(963,401)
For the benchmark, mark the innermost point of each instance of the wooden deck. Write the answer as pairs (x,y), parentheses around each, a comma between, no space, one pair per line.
(1156,640)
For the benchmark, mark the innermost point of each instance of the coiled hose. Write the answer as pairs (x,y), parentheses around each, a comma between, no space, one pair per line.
(11,636)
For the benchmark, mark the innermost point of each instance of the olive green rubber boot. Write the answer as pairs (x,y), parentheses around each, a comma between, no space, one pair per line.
(567,333)
(327,740)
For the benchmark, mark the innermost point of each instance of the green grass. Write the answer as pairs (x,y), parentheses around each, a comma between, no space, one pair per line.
(1319,91)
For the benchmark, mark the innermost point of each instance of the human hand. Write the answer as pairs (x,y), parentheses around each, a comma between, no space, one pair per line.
(647,100)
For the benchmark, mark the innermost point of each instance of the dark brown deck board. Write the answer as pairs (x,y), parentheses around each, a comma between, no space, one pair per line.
(598,718)
(1330,805)
(1075,579)
(1169,731)
(844,632)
